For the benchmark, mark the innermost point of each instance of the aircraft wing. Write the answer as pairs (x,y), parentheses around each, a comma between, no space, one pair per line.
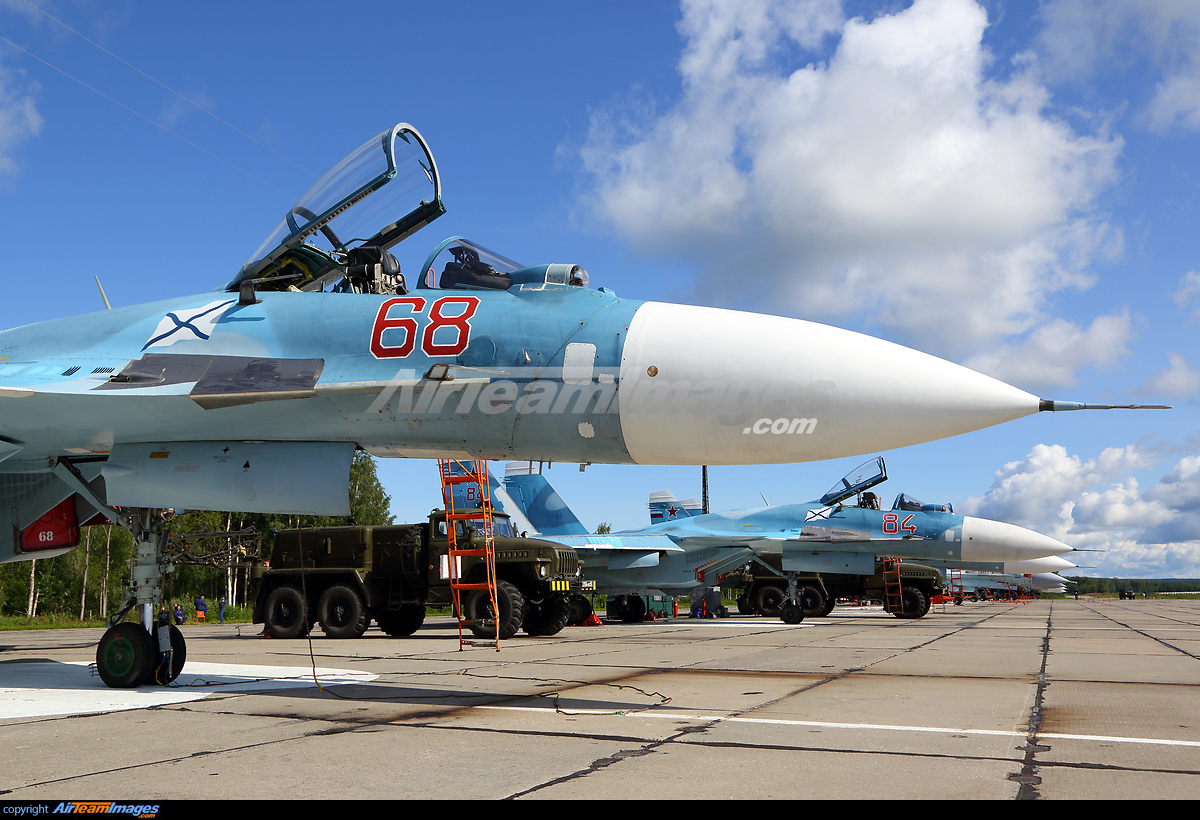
(807,535)
(8,448)
(14,392)
(617,543)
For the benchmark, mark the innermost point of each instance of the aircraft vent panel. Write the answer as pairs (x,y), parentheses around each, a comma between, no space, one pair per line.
(15,488)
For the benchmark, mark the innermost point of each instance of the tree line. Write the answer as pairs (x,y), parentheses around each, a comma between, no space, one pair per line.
(1146,585)
(89,582)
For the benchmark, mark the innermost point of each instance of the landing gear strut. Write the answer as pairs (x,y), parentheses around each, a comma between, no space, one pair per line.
(150,650)
(792,611)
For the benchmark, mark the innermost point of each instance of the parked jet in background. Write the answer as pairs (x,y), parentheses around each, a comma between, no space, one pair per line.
(829,535)
(253,397)
(984,585)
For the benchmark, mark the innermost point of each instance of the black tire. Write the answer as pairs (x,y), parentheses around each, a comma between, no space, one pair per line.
(830,603)
(791,613)
(812,602)
(287,613)
(125,656)
(768,599)
(342,612)
(744,605)
(629,609)
(167,668)
(404,621)
(579,609)
(483,621)
(547,618)
(914,601)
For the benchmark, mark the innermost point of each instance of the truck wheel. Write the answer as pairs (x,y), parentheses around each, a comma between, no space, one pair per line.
(812,601)
(342,612)
(629,609)
(829,605)
(549,617)
(579,608)
(744,605)
(915,604)
(287,613)
(483,621)
(768,598)
(404,621)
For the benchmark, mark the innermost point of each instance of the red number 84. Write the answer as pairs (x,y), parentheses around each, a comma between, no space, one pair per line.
(890,524)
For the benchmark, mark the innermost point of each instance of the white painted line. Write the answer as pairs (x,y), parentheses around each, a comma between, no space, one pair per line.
(941,730)
(46,688)
(707,624)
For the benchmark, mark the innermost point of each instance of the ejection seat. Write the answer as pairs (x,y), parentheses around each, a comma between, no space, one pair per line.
(467,271)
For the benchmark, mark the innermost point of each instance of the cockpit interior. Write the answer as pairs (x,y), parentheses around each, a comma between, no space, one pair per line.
(330,240)
(862,478)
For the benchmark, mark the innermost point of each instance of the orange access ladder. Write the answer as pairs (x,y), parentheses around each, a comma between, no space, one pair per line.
(470,471)
(893,600)
(957,593)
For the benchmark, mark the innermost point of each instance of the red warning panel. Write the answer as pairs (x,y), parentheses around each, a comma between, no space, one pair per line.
(54,530)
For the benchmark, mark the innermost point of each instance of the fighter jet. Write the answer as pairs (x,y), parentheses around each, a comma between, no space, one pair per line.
(254,395)
(975,586)
(833,534)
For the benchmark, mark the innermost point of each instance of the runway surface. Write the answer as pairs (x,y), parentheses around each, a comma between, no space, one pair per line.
(1052,700)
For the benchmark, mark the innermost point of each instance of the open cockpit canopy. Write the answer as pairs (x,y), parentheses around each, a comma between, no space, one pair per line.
(861,478)
(334,234)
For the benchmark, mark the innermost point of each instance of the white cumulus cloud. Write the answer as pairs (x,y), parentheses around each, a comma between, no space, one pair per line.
(1176,381)
(19,118)
(1189,286)
(1084,37)
(1097,504)
(1052,354)
(902,180)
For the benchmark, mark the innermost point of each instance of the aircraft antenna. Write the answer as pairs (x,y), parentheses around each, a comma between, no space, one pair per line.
(107,306)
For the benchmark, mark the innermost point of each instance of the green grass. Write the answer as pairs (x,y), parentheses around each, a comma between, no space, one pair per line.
(233,615)
(12,622)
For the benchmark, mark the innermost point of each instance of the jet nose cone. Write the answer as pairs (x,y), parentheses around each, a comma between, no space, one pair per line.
(712,386)
(985,540)
(1051,563)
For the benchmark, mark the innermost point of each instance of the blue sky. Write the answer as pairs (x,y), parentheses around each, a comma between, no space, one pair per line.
(1010,185)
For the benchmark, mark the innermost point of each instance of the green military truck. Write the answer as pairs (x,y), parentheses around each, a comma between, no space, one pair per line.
(344,577)
(764,593)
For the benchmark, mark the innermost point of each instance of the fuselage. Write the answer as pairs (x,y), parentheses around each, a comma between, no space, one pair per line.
(553,373)
(805,537)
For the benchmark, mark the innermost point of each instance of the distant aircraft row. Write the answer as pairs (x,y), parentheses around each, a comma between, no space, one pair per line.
(788,548)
